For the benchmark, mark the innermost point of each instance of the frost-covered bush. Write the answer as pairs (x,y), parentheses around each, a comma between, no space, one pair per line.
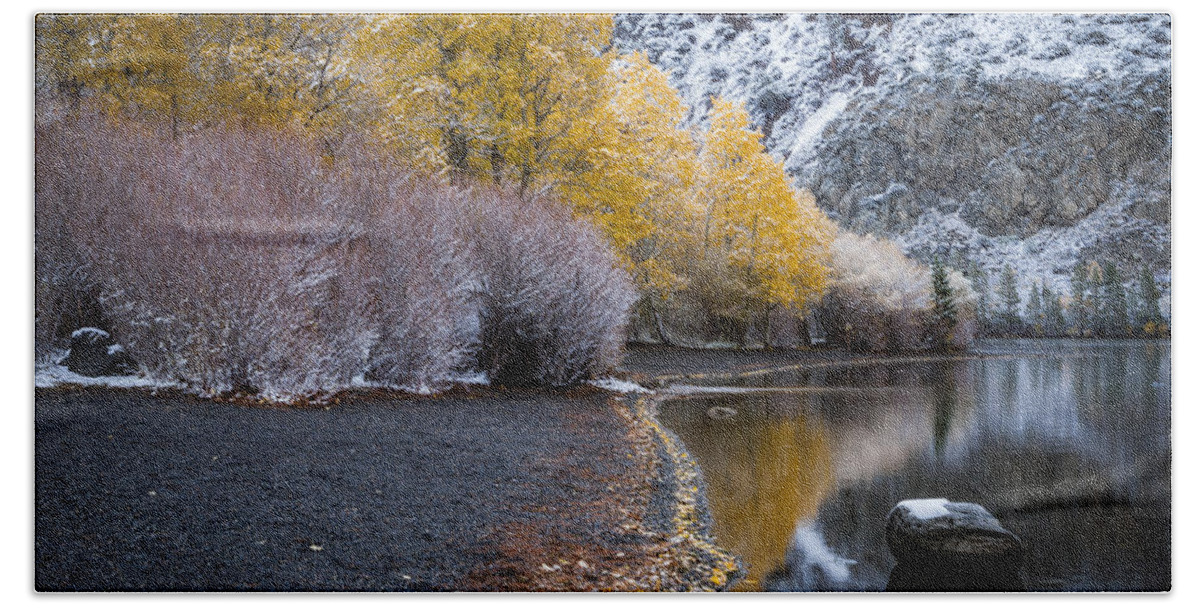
(66,292)
(218,259)
(414,265)
(243,260)
(553,301)
(881,300)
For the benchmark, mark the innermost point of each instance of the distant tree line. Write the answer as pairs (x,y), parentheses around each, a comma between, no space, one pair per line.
(1098,305)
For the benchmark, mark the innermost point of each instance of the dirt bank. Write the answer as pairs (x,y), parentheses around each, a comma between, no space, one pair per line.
(654,365)
(477,490)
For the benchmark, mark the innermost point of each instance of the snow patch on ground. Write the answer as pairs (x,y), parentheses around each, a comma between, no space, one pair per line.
(807,138)
(925,508)
(474,378)
(619,386)
(49,375)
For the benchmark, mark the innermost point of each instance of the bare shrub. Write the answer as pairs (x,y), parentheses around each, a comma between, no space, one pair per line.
(882,300)
(218,261)
(242,260)
(418,271)
(879,299)
(66,286)
(553,301)
(66,292)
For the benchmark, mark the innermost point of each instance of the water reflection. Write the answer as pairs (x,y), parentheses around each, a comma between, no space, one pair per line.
(1067,442)
(766,470)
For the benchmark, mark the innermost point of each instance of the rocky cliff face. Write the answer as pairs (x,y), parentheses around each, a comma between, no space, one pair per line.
(1025,139)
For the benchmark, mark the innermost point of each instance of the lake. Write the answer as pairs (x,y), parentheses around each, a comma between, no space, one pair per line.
(1067,442)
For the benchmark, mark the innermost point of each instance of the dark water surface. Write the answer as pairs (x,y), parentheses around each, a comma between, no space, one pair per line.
(1066,442)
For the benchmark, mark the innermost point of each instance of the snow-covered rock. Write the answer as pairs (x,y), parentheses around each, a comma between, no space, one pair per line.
(93,353)
(951,546)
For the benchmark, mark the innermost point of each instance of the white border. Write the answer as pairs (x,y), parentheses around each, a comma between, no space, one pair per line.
(17,568)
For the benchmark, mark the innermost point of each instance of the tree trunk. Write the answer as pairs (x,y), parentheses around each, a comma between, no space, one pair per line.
(767,327)
(658,326)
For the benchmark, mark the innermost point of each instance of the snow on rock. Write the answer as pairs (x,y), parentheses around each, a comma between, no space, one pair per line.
(925,508)
(945,546)
(816,63)
(807,137)
(95,334)
(1049,255)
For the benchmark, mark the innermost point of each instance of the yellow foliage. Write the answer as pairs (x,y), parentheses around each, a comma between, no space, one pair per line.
(766,474)
(640,187)
(279,70)
(511,98)
(770,235)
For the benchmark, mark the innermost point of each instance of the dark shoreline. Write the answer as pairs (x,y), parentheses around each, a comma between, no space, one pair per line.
(519,487)
(480,490)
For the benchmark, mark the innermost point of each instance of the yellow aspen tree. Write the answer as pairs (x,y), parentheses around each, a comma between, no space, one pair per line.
(640,188)
(251,67)
(547,95)
(770,239)
(63,47)
(510,98)
(426,70)
(143,64)
(285,71)
(277,70)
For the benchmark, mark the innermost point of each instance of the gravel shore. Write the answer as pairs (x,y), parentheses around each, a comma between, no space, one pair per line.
(474,490)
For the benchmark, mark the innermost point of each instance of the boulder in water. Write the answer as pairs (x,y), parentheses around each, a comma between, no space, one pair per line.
(951,546)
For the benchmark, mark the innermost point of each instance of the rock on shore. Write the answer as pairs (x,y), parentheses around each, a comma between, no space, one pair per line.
(94,353)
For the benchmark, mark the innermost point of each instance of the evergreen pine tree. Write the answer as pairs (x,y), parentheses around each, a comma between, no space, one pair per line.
(1081,300)
(1053,312)
(1114,311)
(1033,309)
(982,285)
(1148,295)
(1010,300)
(944,311)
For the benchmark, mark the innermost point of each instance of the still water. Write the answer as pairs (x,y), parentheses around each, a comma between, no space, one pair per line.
(1066,442)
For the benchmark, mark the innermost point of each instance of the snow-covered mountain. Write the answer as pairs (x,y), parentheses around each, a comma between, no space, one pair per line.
(1028,139)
